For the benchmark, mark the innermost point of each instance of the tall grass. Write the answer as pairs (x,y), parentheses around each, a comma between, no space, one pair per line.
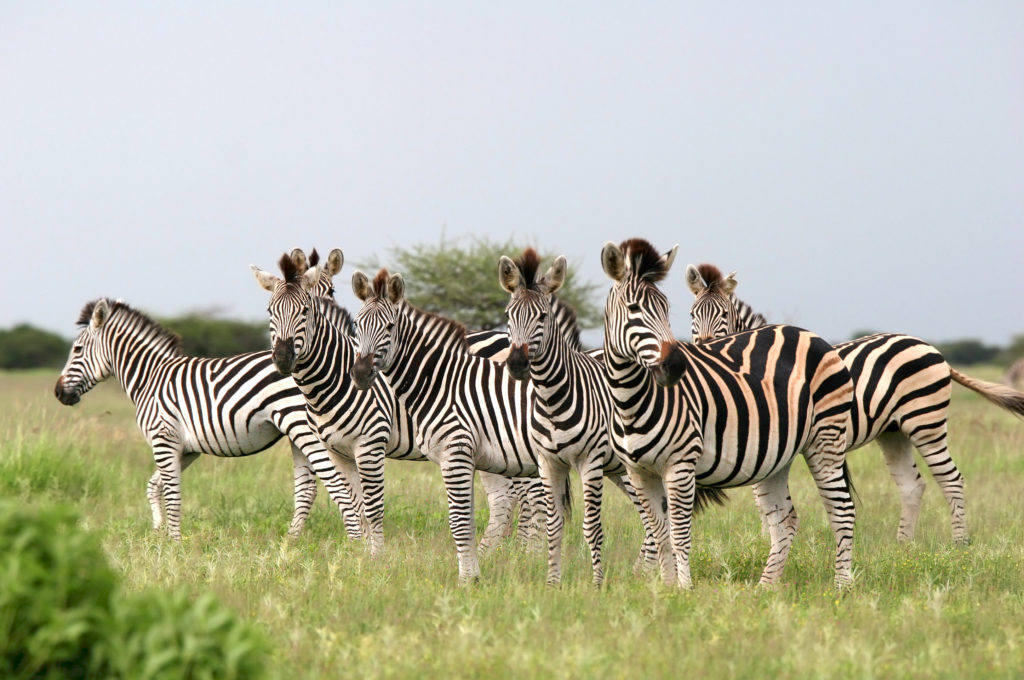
(923,609)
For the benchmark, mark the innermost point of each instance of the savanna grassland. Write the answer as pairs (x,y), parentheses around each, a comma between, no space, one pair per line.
(924,609)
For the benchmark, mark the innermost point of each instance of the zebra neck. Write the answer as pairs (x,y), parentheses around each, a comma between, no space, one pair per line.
(137,354)
(423,345)
(323,369)
(553,369)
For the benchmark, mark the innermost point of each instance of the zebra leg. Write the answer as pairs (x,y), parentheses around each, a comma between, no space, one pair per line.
(305,491)
(501,501)
(154,492)
(932,444)
(681,488)
(349,472)
(369,457)
(533,509)
(171,463)
(647,559)
(457,473)
(555,476)
(651,492)
(825,459)
(899,457)
(778,513)
(593,482)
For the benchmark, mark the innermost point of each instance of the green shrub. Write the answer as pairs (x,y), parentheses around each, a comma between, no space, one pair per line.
(55,592)
(61,615)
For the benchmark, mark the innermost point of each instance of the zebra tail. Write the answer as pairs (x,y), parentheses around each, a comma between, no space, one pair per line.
(848,478)
(1000,395)
(705,496)
(568,500)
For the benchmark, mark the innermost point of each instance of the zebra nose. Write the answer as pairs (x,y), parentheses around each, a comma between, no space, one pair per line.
(518,362)
(284,355)
(63,394)
(671,366)
(362,372)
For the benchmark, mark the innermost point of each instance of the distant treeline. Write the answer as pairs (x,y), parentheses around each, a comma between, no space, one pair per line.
(25,346)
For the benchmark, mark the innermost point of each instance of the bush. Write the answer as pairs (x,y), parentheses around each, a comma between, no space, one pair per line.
(26,346)
(55,593)
(204,336)
(61,615)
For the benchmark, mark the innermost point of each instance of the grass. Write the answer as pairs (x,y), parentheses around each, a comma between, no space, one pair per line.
(924,609)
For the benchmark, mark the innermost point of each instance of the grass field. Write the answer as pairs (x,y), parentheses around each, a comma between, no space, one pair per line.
(920,610)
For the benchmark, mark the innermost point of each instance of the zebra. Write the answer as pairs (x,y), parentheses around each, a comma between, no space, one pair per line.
(572,406)
(902,389)
(505,494)
(361,427)
(468,413)
(730,413)
(185,406)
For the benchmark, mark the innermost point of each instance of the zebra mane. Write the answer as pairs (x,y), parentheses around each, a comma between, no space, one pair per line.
(568,321)
(442,330)
(712,276)
(528,264)
(380,283)
(139,319)
(314,258)
(644,259)
(289,270)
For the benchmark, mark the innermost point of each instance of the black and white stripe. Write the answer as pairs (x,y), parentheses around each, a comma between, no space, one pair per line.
(360,427)
(186,406)
(733,412)
(902,388)
(468,413)
(572,405)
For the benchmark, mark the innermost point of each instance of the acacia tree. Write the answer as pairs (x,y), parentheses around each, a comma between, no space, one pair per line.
(461,281)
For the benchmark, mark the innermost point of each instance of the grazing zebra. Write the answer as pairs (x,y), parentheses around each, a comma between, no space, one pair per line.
(468,413)
(362,427)
(184,406)
(901,396)
(732,413)
(572,407)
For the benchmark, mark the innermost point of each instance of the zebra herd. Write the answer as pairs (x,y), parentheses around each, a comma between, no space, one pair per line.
(671,424)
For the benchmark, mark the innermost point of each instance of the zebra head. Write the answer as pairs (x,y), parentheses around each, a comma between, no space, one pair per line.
(88,361)
(636,325)
(291,324)
(530,321)
(375,324)
(713,313)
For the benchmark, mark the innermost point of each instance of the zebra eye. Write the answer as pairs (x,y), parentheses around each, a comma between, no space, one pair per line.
(542,316)
(633,307)
(77,349)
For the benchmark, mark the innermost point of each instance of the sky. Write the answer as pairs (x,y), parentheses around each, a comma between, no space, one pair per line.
(859,165)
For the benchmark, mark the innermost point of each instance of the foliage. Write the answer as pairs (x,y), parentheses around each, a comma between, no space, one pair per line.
(1014,351)
(461,282)
(61,615)
(25,346)
(205,336)
(55,593)
(966,352)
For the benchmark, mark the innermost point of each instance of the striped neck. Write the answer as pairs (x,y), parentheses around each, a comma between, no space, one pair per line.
(137,346)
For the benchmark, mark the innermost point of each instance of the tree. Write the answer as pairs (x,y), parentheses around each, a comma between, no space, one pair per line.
(204,336)
(968,351)
(26,346)
(462,282)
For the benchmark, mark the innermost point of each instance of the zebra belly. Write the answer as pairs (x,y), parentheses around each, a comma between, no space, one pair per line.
(241,441)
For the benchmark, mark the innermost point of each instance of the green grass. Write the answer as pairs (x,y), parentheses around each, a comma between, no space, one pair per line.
(922,610)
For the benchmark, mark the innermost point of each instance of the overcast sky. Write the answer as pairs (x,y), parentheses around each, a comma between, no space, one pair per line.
(861,165)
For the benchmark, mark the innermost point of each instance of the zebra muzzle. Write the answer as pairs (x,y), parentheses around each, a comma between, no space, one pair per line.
(284,355)
(66,396)
(363,372)
(518,362)
(670,366)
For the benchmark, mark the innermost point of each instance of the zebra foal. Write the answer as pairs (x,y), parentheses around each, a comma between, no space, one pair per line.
(185,406)
(902,389)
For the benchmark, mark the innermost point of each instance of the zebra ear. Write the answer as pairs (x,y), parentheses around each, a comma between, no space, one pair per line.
(298,257)
(509,276)
(396,288)
(694,281)
(729,284)
(612,261)
(266,280)
(308,279)
(335,259)
(361,286)
(100,314)
(555,276)
(669,257)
